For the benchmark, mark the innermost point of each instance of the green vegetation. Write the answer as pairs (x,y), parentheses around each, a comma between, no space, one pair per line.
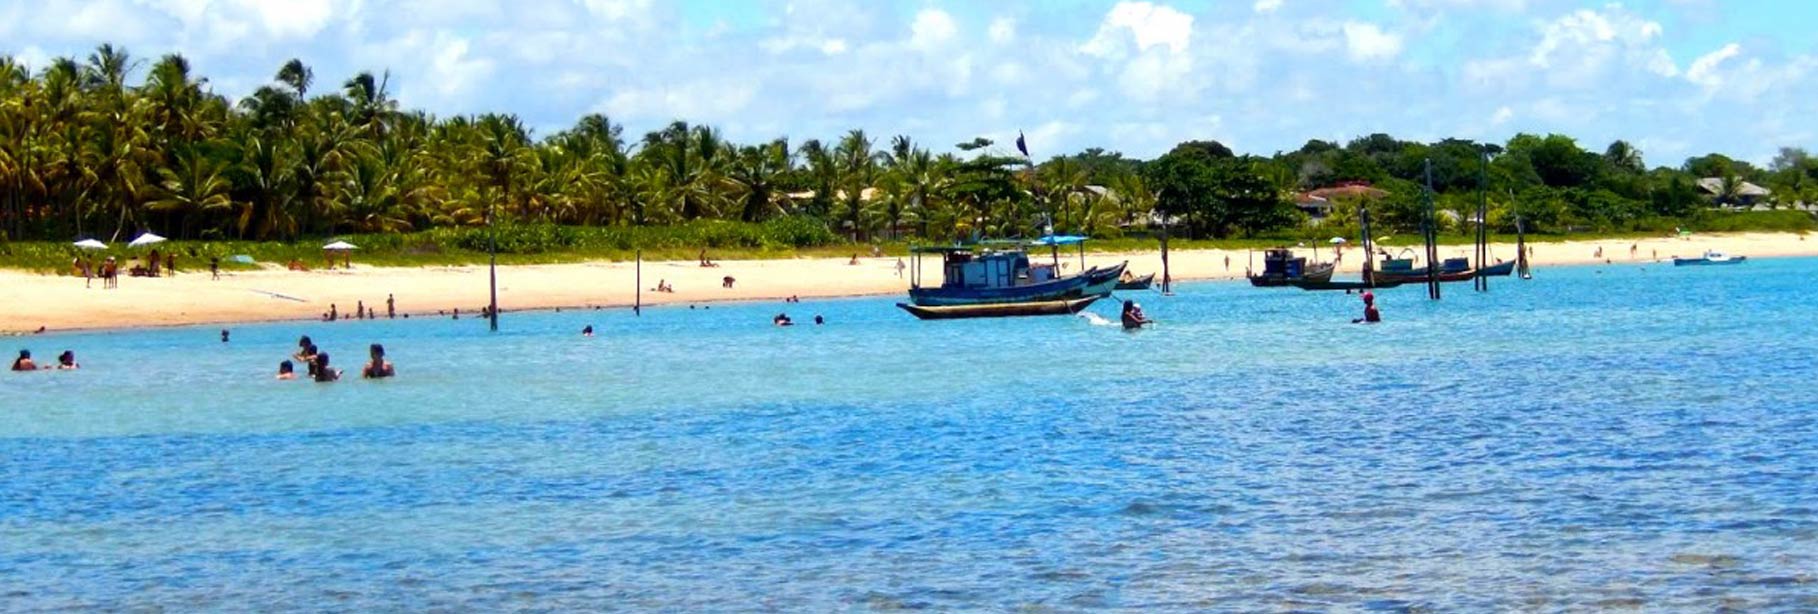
(86,152)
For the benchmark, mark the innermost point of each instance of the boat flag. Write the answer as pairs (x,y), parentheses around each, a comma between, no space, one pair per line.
(1021,145)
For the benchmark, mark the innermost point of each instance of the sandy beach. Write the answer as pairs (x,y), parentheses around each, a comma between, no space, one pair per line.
(61,303)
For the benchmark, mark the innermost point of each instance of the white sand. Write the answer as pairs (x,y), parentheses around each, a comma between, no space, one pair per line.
(62,303)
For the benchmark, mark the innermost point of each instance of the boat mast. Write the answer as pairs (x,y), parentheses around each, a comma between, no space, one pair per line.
(1369,252)
(1432,236)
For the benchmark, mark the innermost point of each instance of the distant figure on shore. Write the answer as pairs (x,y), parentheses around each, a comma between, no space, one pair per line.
(153,262)
(587,331)
(214,268)
(67,361)
(24,362)
(110,274)
(853,261)
(322,372)
(727,282)
(286,370)
(224,335)
(359,310)
(706,263)
(1371,315)
(1633,248)
(900,266)
(457,313)
(391,307)
(378,367)
(81,267)
(334,312)
(1227,263)
(170,263)
(782,319)
(1133,317)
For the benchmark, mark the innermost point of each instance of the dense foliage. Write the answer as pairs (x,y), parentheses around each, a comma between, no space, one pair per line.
(83,153)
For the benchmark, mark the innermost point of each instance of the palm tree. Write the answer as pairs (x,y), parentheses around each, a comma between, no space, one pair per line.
(502,153)
(755,173)
(857,168)
(1625,157)
(194,184)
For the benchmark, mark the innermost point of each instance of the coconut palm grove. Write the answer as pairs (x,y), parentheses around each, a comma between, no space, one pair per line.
(110,145)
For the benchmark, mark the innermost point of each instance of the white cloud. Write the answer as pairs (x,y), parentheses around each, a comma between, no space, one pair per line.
(932,29)
(1003,30)
(1266,6)
(1367,42)
(1703,71)
(1502,116)
(1149,25)
(616,10)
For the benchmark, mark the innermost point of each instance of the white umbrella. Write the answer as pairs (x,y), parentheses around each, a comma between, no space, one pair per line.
(146,239)
(90,244)
(1337,240)
(339,246)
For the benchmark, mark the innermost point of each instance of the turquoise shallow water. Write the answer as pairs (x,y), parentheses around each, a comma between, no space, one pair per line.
(1613,437)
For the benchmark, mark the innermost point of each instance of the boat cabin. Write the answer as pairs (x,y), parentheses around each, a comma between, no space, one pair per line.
(1281,262)
(966,267)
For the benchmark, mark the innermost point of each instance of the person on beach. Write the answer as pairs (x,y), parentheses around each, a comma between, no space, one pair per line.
(286,370)
(587,331)
(321,372)
(110,274)
(67,361)
(1133,317)
(853,261)
(782,319)
(334,312)
(154,262)
(727,282)
(1227,263)
(81,268)
(391,307)
(378,367)
(359,310)
(900,266)
(24,362)
(170,264)
(214,268)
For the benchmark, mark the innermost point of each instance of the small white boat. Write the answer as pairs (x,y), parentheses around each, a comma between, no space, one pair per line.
(1710,257)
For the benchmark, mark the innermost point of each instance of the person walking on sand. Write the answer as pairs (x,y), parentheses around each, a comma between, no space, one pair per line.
(1227,263)
(214,268)
(391,307)
(900,266)
(170,263)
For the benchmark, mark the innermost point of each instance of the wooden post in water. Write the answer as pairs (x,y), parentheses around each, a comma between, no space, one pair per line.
(637,304)
(1166,291)
(1432,232)
(1482,282)
(492,269)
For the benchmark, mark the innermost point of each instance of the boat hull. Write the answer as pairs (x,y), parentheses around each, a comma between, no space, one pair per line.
(1708,261)
(1140,283)
(1346,284)
(1501,269)
(1421,277)
(1000,310)
(1315,273)
(1093,282)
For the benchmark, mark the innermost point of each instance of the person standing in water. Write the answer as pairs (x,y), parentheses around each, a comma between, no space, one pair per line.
(587,331)
(67,361)
(321,372)
(24,362)
(1371,315)
(378,367)
(391,307)
(286,370)
(1133,317)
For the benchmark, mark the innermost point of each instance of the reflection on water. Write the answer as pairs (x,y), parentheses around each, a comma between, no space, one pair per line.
(1594,439)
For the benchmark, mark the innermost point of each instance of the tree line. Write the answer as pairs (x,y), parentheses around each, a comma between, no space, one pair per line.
(85,153)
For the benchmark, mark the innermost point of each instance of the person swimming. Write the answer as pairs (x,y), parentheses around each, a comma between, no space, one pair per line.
(286,370)
(67,361)
(587,331)
(1133,317)
(24,362)
(320,371)
(782,319)
(378,367)
(818,320)
(308,357)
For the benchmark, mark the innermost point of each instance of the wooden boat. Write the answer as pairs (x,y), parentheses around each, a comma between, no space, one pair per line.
(1280,265)
(1139,283)
(1000,310)
(1345,284)
(1402,271)
(978,275)
(1501,269)
(1710,258)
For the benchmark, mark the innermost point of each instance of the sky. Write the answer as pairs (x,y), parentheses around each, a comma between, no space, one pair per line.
(1675,77)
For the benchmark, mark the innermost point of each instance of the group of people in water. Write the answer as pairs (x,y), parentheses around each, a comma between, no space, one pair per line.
(319,369)
(783,319)
(65,362)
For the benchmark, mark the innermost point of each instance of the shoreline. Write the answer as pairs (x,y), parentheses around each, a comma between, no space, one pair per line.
(62,304)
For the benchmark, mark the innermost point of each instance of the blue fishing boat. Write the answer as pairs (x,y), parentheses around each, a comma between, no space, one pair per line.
(1710,258)
(984,274)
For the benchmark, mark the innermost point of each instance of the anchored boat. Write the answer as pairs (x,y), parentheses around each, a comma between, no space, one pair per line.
(1281,268)
(1710,258)
(1000,310)
(984,275)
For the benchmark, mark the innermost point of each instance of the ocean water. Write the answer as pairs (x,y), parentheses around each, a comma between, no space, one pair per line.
(1617,437)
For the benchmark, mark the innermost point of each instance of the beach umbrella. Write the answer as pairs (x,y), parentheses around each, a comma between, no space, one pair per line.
(1337,240)
(146,239)
(90,244)
(340,246)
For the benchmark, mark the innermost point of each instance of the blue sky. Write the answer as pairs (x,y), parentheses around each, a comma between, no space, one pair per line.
(1677,77)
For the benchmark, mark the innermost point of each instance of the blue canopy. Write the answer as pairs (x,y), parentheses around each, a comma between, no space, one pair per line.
(1060,240)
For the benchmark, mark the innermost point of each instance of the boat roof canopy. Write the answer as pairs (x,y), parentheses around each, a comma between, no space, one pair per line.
(1060,240)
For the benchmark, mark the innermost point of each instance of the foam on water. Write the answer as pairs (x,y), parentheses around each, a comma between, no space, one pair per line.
(1598,438)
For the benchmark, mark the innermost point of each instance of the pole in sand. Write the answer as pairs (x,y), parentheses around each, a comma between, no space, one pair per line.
(637,306)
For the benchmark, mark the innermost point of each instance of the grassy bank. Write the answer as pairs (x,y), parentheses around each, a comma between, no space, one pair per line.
(777,239)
